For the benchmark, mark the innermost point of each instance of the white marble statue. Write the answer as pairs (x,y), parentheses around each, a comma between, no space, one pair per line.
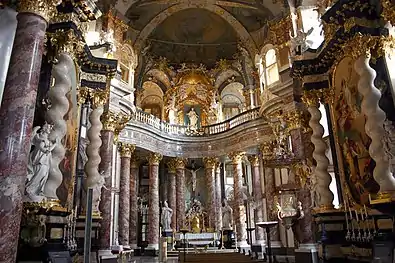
(193,119)
(39,162)
(227,215)
(97,192)
(167,212)
(193,178)
(172,110)
(299,43)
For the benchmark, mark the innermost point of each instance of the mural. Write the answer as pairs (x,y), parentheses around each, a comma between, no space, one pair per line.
(352,140)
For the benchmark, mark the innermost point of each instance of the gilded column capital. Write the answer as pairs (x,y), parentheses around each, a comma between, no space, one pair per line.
(99,98)
(254,160)
(181,163)
(155,158)
(43,8)
(109,120)
(126,149)
(236,157)
(210,162)
(311,98)
(64,41)
(172,165)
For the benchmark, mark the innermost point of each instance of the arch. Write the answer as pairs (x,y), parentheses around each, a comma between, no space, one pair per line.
(243,34)
(233,89)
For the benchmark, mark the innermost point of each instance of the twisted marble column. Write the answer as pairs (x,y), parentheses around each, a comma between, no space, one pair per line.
(180,193)
(16,118)
(153,209)
(126,151)
(256,184)
(209,165)
(134,174)
(239,210)
(325,196)
(374,125)
(94,178)
(106,155)
(218,202)
(55,116)
(172,190)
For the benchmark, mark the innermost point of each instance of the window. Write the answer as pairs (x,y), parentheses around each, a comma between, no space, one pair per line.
(271,71)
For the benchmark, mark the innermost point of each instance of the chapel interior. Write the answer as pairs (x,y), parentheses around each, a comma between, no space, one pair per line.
(197,131)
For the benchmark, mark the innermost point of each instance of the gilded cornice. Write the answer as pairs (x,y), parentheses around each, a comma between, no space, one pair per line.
(172,165)
(254,160)
(126,149)
(43,8)
(155,158)
(210,162)
(236,157)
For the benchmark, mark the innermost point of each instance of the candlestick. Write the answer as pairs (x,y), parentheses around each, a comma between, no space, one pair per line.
(356,215)
(366,213)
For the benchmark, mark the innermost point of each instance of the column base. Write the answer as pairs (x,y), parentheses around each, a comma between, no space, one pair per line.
(152,250)
(307,253)
(258,250)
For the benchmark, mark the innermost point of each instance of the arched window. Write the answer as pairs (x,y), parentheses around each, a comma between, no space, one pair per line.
(271,68)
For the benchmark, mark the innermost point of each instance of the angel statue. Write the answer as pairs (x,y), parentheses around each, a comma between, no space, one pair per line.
(299,43)
(39,162)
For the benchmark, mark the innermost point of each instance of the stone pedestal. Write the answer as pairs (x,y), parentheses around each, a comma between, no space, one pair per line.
(209,163)
(153,209)
(134,174)
(124,193)
(16,115)
(180,193)
(172,191)
(239,210)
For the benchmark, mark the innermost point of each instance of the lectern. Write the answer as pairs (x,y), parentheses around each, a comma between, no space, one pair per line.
(267,226)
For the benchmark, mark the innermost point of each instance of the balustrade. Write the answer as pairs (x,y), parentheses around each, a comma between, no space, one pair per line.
(153,121)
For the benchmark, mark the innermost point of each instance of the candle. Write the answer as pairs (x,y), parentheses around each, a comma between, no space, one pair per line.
(349,209)
(366,212)
(356,215)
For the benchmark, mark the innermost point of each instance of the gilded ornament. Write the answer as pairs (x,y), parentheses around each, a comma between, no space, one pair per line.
(210,162)
(278,31)
(181,163)
(109,120)
(172,165)
(94,77)
(254,160)
(155,158)
(99,98)
(43,8)
(267,149)
(311,97)
(388,12)
(121,121)
(64,41)
(126,149)
(236,157)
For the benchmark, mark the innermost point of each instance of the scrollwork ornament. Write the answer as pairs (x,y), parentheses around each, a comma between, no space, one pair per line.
(43,8)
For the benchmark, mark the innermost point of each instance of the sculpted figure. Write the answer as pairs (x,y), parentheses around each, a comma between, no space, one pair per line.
(167,212)
(172,110)
(193,119)
(227,215)
(39,162)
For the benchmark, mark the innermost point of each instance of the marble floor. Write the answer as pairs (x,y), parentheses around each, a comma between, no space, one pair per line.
(151,260)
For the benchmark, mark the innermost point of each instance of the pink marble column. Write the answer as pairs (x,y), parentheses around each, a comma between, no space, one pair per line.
(172,191)
(218,202)
(134,174)
(106,154)
(270,192)
(153,209)
(209,164)
(239,210)
(256,184)
(16,118)
(180,193)
(126,151)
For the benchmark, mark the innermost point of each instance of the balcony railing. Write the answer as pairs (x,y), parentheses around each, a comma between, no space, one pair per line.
(149,119)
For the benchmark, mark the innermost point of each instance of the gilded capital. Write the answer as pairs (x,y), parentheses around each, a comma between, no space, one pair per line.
(43,8)
(254,160)
(172,165)
(126,149)
(311,98)
(155,158)
(64,41)
(236,157)
(121,121)
(181,162)
(99,98)
(109,120)
(210,162)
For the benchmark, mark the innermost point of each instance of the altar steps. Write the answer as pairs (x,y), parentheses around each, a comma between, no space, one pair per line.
(216,258)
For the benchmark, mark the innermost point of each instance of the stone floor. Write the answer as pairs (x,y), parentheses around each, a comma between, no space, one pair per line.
(151,260)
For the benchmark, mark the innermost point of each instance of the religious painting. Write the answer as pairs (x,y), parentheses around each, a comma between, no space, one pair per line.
(353,142)
(69,164)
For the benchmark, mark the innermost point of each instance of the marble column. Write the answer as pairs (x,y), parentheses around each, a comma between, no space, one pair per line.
(172,190)
(106,154)
(218,196)
(16,118)
(153,209)
(126,151)
(270,193)
(209,165)
(256,184)
(180,193)
(134,179)
(239,210)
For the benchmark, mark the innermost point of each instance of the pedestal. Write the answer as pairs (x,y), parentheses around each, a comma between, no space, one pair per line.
(267,226)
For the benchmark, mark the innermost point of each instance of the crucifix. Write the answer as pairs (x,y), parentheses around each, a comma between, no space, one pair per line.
(193,172)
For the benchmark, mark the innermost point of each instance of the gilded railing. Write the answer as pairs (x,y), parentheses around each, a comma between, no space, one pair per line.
(150,120)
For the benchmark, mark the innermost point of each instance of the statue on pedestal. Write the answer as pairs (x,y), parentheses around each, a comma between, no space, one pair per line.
(39,163)
(172,110)
(227,215)
(167,212)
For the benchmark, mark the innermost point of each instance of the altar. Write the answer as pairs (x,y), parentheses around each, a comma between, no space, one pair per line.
(196,239)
